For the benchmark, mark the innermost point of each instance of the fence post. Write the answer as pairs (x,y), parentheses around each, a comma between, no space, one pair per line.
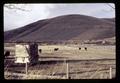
(110,72)
(26,68)
(67,71)
(101,75)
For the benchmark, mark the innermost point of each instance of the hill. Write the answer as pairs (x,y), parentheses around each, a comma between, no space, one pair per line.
(73,27)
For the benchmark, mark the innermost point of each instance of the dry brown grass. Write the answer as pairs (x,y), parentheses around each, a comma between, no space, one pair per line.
(91,64)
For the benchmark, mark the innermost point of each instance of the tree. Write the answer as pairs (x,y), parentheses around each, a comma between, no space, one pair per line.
(20,7)
(111,6)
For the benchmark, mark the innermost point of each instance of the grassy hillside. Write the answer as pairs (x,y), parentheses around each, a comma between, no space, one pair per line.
(67,27)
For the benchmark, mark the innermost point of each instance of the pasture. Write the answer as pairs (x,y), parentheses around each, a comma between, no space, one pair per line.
(93,63)
(73,52)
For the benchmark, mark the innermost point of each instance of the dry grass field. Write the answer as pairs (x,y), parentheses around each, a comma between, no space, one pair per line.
(73,52)
(94,63)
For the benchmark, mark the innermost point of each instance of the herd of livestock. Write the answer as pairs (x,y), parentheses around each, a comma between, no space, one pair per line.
(7,53)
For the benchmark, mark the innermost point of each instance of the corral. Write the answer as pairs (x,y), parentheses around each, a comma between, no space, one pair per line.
(98,62)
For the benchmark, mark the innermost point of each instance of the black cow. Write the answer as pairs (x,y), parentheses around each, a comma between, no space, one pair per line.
(86,48)
(79,48)
(56,49)
(7,53)
(40,50)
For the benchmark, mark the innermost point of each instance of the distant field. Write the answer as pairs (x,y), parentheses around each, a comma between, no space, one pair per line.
(73,52)
(91,64)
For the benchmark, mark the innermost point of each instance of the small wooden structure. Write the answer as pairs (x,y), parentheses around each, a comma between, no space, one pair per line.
(26,53)
(21,55)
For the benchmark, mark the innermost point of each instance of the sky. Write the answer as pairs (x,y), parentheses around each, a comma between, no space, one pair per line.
(15,18)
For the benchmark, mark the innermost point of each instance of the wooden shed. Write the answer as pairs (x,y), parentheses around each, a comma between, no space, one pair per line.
(27,52)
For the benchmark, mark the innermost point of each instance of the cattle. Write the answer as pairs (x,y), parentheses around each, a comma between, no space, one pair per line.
(56,49)
(86,48)
(7,53)
(79,48)
(40,50)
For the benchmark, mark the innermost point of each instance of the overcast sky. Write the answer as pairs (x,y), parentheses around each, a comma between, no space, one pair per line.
(16,18)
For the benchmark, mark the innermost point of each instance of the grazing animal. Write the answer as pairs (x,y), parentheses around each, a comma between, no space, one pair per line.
(56,49)
(40,50)
(79,48)
(7,53)
(86,48)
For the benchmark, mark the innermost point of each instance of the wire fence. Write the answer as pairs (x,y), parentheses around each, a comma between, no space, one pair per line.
(74,65)
(61,70)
